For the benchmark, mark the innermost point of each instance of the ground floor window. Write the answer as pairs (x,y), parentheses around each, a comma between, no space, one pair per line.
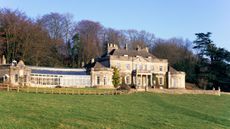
(105,80)
(25,78)
(127,80)
(161,80)
(175,82)
(1,79)
(98,80)
(16,77)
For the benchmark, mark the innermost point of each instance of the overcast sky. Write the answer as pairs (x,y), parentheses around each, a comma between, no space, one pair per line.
(164,18)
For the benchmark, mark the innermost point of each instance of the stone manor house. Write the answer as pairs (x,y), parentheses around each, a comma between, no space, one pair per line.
(137,67)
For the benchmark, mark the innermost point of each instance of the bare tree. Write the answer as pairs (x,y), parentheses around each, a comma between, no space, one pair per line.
(89,32)
(114,36)
(11,25)
(59,26)
(139,38)
(179,55)
(26,40)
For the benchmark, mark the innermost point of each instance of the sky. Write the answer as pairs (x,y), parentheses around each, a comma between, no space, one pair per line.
(164,18)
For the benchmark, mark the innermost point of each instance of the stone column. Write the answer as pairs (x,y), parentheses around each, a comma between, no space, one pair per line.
(169,80)
(141,80)
(151,80)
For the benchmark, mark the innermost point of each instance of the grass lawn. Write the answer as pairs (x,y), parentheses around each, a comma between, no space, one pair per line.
(140,110)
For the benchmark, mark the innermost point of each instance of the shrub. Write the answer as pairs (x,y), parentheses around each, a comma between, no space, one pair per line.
(124,87)
(58,87)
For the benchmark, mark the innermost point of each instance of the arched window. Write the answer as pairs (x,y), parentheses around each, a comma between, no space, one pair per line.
(175,82)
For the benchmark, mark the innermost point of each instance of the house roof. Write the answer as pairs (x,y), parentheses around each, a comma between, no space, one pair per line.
(172,70)
(57,71)
(98,65)
(95,65)
(36,71)
(132,53)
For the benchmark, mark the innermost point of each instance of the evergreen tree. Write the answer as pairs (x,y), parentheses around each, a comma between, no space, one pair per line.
(213,66)
(116,77)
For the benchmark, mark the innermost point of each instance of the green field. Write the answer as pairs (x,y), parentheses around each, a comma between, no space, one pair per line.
(140,110)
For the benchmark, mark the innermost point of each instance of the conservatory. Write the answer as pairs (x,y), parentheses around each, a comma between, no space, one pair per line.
(52,77)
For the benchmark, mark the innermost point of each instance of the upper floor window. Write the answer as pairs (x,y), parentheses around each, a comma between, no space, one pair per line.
(161,68)
(140,67)
(146,67)
(128,66)
(118,65)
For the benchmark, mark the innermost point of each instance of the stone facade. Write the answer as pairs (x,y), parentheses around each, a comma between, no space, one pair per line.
(176,79)
(138,68)
(15,74)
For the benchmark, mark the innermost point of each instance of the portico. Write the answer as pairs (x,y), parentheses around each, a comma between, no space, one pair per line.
(142,78)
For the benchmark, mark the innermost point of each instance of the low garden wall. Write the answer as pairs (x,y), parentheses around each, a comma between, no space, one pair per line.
(184,91)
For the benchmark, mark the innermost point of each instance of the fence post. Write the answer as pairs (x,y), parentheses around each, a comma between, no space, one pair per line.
(219,91)
(65,91)
(8,88)
(18,89)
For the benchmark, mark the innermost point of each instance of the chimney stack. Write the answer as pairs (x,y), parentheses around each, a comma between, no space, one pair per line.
(3,59)
(146,49)
(126,46)
(111,47)
(138,48)
(82,64)
(92,60)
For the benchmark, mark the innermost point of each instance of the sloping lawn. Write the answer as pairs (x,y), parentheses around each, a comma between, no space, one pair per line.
(140,110)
